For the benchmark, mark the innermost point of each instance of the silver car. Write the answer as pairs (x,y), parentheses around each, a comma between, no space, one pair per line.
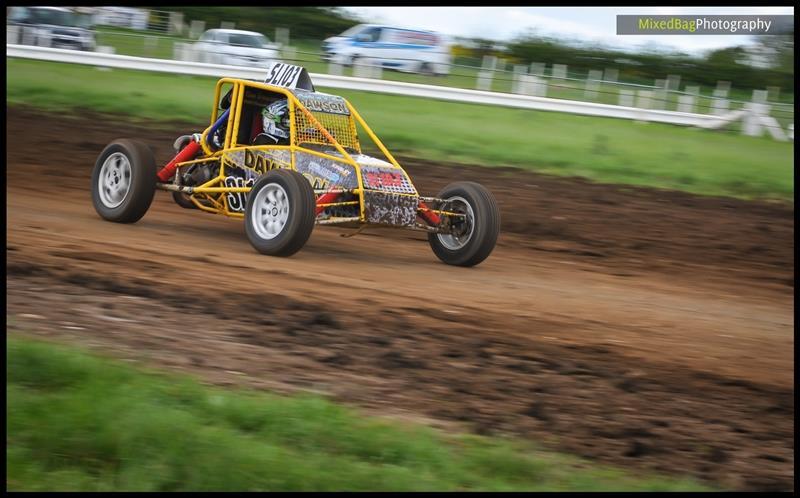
(55,27)
(235,47)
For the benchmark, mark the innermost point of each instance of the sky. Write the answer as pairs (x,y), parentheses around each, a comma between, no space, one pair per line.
(595,25)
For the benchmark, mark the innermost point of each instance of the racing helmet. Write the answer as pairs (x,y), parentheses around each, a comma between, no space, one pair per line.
(275,118)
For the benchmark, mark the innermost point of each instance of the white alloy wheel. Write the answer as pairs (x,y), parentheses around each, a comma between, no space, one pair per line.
(270,211)
(114,181)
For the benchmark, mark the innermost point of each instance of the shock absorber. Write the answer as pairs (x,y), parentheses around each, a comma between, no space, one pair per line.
(192,150)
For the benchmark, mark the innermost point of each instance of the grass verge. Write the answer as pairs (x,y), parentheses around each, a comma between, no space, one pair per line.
(601,149)
(80,422)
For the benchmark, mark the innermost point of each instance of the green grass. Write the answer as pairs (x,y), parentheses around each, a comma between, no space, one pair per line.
(79,422)
(601,149)
(138,43)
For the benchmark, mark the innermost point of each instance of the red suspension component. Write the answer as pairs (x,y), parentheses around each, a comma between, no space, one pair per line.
(187,154)
(325,199)
(429,216)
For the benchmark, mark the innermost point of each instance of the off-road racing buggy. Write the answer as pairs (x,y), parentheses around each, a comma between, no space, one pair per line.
(317,176)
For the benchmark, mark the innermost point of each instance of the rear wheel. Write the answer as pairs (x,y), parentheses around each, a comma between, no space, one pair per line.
(426,69)
(124,181)
(280,213)
(472,237)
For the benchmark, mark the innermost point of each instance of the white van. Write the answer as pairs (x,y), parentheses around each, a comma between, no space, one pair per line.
(406,50)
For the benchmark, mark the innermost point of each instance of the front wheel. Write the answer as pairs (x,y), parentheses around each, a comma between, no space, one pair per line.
(472,237)
(124,181)
(280,213)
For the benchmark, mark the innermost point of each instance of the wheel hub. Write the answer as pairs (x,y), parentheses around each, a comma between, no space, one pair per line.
(270,211)
(461,228)
(114,181)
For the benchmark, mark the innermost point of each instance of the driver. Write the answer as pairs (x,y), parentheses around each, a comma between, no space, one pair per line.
(274,126)
(275,121)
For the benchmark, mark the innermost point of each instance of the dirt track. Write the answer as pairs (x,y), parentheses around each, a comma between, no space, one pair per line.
(635,327)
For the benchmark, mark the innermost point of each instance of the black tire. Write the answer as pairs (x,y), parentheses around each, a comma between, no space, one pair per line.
(183,200)
(300,204)
(480,242)
(139,173)
(426,69)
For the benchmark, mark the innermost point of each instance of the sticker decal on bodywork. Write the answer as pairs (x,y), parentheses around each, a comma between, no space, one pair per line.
(238,177)
(322,102)
(259,161)
(386,180)
(390,209)
(326,173)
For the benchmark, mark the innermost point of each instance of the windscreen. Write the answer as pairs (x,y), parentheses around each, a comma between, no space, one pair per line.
(355,29)
(243,40)
(61,18)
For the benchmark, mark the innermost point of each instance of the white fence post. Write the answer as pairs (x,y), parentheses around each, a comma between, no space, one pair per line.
(592,84)
(532,85)
(644,102)
(610,74)
(289,54)
(104,50)
(196,28)
(334,68)
(673,82)
(720,104)
(486,73)
(537,68)
(723,87)
(539,86)
(44,40)
(367,68)
(183,52)
(175,23)
(282,36)
(12,34)
(686,103)
(377,69)
(484,81)
(757,118)
(227,25)
(559,71)
(28,37)
(517,83)
(626,97)
(751,123)
(660,94)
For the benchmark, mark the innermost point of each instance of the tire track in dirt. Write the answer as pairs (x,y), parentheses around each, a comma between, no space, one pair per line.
(610,322)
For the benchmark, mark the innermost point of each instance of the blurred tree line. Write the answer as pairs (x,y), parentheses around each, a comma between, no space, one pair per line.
(309,23)
(770,62)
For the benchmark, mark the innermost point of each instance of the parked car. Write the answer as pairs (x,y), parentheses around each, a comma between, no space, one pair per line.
(55,27)
(235,47)
(405,50)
